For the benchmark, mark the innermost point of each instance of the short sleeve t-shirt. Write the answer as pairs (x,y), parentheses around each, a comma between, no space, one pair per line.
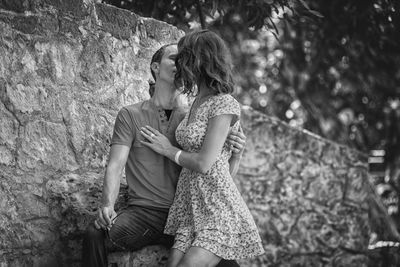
(151,178)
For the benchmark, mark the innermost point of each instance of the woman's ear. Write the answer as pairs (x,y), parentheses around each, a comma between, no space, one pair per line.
(155,67)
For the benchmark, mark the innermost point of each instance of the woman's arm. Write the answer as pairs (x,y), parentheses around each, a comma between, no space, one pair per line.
(217,131)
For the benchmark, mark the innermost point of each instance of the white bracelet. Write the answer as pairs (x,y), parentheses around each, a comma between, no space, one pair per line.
(177,155)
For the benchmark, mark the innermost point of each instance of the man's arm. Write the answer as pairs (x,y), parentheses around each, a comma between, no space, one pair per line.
(237,141)
(116,163)
(234,163)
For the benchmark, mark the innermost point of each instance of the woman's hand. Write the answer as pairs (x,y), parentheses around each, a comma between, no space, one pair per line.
(237,141)
(156,140)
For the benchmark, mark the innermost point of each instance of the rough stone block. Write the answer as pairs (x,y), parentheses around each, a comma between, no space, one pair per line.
(155,256)
(119,22)
(15,5)
(300,201)
(76,8)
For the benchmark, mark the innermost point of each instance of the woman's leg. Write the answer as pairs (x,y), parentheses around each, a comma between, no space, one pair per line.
(175,257)
(199,257)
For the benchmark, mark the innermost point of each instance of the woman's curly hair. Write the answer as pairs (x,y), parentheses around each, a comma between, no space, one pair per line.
(203,59)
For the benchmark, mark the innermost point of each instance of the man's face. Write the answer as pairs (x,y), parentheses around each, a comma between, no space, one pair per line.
(167,68)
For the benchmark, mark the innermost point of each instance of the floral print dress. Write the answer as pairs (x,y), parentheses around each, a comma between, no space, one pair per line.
(208,210)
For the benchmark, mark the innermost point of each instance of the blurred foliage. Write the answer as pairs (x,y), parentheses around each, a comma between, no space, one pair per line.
(332,67)
(329,66)
(254,14)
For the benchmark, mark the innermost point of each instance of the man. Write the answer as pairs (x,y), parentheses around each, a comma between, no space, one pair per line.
(151,178)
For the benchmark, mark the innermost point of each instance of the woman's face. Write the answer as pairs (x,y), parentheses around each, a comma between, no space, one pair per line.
(167,68)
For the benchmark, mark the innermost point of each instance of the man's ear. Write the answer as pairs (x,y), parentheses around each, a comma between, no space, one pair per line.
(155,66)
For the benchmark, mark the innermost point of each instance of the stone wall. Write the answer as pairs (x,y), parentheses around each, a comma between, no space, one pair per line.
(66,67)
(309,196)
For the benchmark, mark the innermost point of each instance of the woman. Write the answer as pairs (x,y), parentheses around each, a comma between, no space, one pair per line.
(208,217)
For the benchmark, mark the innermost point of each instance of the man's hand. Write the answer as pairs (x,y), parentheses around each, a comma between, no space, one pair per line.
(105,217)
(237,141)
